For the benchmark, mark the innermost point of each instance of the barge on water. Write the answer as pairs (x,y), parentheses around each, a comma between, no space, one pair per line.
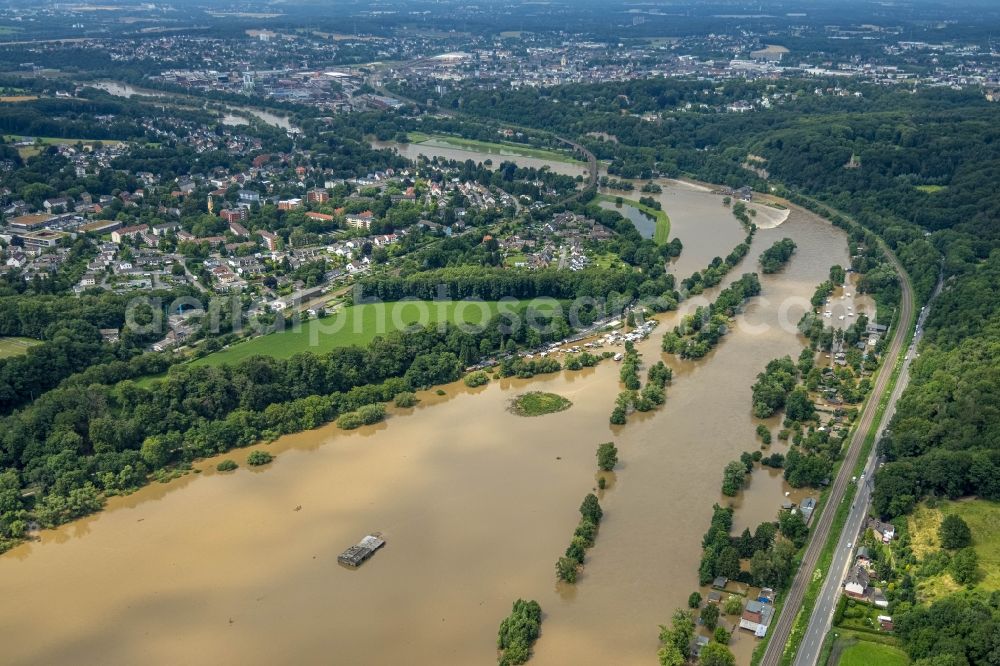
(364,549)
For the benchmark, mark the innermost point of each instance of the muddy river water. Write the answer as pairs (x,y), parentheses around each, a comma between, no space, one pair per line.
(476,504)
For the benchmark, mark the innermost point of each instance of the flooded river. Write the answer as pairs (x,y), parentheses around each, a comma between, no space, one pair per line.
(476,505)
(433,148)
(237,115)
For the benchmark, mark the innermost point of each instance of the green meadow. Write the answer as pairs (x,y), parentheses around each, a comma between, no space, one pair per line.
(359,324)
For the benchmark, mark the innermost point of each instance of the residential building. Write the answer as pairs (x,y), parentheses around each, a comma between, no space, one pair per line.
(317,195)
(238,229)
(57,205)
(856,585)
(757,617)
(119,235)
(270,240)
(165,228)
(232,215)
(360,221)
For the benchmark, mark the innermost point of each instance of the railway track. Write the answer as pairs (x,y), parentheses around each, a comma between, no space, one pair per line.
(782,628)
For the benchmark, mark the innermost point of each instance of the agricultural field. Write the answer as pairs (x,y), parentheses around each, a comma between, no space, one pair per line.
(983,518)
(16,346)
(359,324)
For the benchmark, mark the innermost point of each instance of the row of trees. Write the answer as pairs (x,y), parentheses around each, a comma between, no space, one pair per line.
(699,332)
(717,269)
(568,566)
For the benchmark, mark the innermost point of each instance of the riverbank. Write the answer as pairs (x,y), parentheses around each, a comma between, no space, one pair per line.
(127,90)
(501,148)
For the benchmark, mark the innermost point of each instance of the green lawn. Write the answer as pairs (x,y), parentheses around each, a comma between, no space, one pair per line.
(28,151)
(16,346)
(661,236)
(607,260)
(357,325)
(983,518)
(54,140)
(499,148)
(515,258)
(864,653)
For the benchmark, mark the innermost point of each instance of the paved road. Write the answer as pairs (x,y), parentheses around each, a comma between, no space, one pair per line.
(822,617)
(781,629)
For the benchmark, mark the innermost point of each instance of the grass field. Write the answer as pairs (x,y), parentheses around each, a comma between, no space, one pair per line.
(54,140)
(499,148)
(931,189)
(662,234)
(983,518)
(864,653)
(537,403)
(358,324)
(16,346)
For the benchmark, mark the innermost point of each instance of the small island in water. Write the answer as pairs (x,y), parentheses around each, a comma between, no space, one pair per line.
(537,403)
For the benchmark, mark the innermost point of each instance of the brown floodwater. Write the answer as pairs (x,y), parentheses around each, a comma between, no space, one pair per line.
(476,504)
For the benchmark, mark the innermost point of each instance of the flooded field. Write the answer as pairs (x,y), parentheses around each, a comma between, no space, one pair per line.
(433,148)
(476,504)
(645,224)
(237,115)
